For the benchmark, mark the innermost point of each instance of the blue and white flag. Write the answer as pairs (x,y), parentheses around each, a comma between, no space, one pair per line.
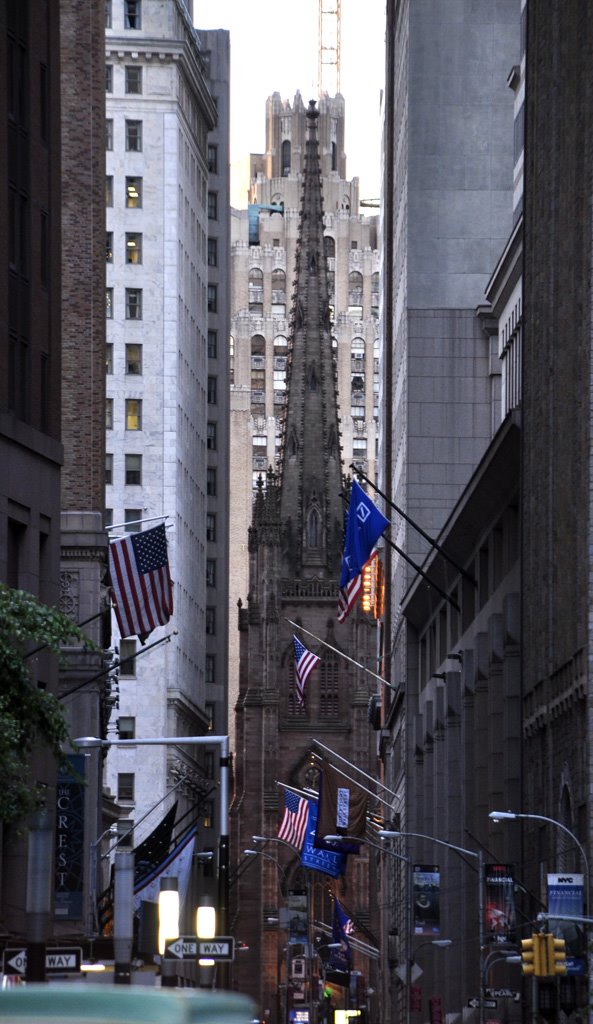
(328,861)
(364,525)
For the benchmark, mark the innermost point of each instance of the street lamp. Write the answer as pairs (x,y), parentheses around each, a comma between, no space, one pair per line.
(519,816)
(463,851)
(283,881)
(204,741)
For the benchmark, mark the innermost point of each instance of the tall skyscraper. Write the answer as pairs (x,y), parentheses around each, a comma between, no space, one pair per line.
(167,200)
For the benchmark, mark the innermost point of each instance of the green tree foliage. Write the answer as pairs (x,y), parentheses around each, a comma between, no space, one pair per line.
(30,717)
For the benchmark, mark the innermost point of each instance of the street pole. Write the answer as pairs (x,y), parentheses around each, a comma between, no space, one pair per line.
(38,897)
(123,917)
(463,851)
(223,848)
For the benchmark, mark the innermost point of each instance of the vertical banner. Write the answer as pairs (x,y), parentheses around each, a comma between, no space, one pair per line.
(426,886)
(500,903)
(69,852)
(565,899)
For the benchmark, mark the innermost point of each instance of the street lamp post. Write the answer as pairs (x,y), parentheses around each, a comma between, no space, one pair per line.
(463,851)
(223,846)
(519,816)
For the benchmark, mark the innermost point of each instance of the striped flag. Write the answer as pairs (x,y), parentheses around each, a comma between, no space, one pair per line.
(141,585)
(293,826)
(305,662)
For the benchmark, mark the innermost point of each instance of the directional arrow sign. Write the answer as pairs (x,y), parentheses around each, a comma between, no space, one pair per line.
(222,947)
(57,961)
(183,948)
(488,1004)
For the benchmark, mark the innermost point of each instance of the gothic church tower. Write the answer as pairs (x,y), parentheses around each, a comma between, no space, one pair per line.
(295,546)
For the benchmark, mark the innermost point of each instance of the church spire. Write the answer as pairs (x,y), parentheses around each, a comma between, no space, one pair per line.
(311,470)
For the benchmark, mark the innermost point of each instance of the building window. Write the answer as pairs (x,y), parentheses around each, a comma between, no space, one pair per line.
(212,159)
(109,190)
(210,572)
(109,303)
(127,661)
(125,831)
(256,291)
(126,726)
(212,206)
(285,158)
(108,469)
(278,293)
(109,414)
(133,79)
(133,247)
(133,360)
(109,78)
(109,133)
(209,709)
(133,469)
(133,192)
(211,481)
(109,246)
(212,252)
(134,136)
(212,298)
(212,381)
(133,414)
(109,358)
(133,303)
(211,436)
(108,518)
(210,526)
(208,815)
(132,13)
(211,620)
(133,519)
(210,669)
(107,13)
(212,344)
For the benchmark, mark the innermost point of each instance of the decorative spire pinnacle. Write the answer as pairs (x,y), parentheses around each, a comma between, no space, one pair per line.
(311,480)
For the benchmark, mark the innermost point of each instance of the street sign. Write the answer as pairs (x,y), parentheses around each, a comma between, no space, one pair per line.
(57,961)
(503,993)
(222,947)
(488,1004)
(190,947)
(183,948)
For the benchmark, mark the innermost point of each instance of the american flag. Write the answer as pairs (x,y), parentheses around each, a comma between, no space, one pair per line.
(348,596)
(293,826)
(305,662)
(141,586)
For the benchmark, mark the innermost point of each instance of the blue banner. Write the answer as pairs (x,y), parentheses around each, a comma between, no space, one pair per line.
(565,899)
(333,864)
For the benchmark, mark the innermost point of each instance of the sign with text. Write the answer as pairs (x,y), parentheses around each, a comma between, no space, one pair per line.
(57,961)
(222,947)
(69,859)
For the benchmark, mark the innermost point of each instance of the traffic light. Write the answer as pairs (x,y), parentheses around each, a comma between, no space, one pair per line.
(531,958)
(556,955)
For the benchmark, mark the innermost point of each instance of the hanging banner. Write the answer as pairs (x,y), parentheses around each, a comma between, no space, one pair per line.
(69,851)
(426,885)
(565,899)
(500,903)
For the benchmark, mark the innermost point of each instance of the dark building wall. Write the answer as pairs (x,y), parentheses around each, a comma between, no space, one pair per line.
(82,41)
(556,411)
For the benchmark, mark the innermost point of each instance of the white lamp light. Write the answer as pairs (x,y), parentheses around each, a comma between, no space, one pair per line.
(168,911)
(205,926)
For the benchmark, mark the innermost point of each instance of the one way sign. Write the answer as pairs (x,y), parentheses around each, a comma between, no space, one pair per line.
(220,948)
(183,948)
(57,961)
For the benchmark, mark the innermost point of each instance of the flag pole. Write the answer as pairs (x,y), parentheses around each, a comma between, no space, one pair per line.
(351,764)
(342,655)
(433,543)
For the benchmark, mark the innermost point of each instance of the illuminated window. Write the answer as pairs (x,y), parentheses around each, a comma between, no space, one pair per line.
(133,192)
(133,247)
(109,303)
(133,414)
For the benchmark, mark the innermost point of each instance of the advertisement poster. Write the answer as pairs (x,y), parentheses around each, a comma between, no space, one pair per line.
(565,899)
(426,897)
(500,903)
(69,854)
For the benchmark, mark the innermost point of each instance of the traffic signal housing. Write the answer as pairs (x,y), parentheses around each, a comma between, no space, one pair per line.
(531,959)
(556,954)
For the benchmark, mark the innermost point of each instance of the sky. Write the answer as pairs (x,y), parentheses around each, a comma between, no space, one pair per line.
(274,47)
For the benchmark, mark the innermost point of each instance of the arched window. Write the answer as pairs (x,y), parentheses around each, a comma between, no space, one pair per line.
(278,293)
(355,289)
(256,290)
(258,345)
(280,345)
(328,686)
(329,245)
(334,157)
(285,158)
(313,528)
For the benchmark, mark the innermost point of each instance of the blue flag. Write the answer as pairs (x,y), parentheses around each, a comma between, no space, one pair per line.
(342,927)
(328,861)
(364,526)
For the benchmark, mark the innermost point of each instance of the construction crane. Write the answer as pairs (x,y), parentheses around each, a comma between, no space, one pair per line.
(329,35)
